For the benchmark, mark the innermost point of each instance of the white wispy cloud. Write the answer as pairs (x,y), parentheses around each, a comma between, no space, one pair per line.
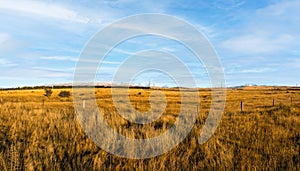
(256,70)
(268,30)
(60,58)
(7,63)
(140,6)
(48,72)
(228,4)
(76,59)
(53,69)
(256,44)
(208,31)
(44,9)
(281,9)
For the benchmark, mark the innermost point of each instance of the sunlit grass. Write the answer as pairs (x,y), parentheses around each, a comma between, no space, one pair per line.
(41,133)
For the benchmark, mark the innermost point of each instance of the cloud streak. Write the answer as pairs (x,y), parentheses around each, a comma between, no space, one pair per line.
(60,58)
(6,63)
(258,44)
(270,30)
(44,9)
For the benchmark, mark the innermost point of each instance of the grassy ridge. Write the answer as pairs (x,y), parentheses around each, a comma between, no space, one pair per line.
(40,133)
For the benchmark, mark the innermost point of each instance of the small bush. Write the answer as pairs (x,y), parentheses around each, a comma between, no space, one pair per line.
(64,94)
(48,92)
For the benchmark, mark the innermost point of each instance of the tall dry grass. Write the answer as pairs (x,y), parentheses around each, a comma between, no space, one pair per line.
(40,133)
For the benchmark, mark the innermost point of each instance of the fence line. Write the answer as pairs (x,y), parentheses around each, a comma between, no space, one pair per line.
(274,102)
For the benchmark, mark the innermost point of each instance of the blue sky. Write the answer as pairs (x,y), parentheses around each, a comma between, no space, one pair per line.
(257,41)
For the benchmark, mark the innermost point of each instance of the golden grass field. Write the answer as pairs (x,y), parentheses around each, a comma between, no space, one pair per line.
(41,133)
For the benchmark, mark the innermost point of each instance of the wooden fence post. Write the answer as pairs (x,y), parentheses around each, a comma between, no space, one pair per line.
(273,102)
(241,106)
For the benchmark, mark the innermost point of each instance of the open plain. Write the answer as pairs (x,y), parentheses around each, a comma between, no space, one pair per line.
(259,129)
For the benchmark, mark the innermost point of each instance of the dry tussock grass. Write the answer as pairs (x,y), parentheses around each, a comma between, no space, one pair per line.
(40,133)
